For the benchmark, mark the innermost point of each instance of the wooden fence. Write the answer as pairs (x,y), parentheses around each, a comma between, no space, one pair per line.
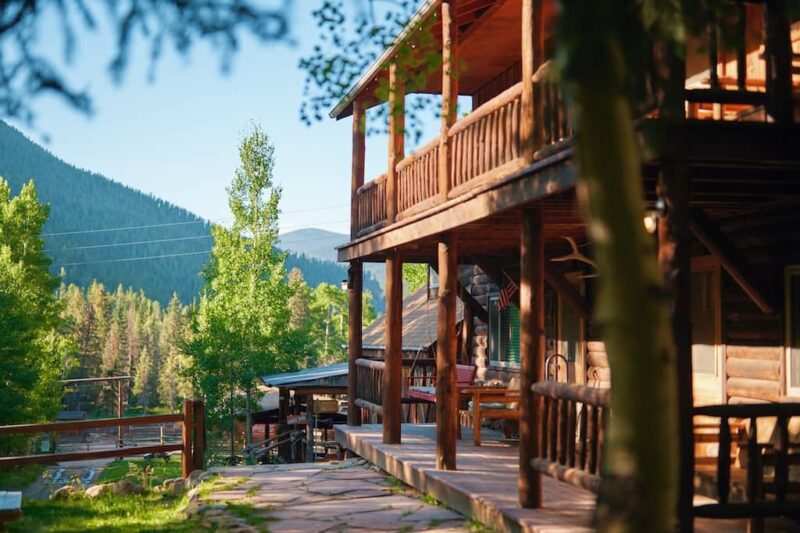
(192,445)
(369,392)
(571,432)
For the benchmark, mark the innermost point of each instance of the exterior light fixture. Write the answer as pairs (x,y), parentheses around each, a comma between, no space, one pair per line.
(344,285)
(651,216)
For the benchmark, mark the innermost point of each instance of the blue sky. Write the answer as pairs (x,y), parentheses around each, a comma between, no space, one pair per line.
(177,137)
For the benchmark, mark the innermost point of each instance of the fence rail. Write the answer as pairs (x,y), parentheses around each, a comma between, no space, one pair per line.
(369,392)
(572,432)
(192,446)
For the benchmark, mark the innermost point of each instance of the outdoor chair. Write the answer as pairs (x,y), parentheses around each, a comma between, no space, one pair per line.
(492,403)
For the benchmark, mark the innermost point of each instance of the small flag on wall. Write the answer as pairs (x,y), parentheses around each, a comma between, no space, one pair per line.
(506,294)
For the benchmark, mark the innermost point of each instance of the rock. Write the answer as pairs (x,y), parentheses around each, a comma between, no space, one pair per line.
(64,493)
(192,501)
(95,491)
(125,487)
(173,486)
(195,478)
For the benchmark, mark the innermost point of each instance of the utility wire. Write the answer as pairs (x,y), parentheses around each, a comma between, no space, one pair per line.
(126,259)
(100,230)
(93,246)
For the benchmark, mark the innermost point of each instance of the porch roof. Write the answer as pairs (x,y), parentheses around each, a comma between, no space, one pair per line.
(307,376)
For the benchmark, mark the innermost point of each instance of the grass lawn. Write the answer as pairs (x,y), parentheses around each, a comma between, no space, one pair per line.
(144,513)
(17,478)
(117,470)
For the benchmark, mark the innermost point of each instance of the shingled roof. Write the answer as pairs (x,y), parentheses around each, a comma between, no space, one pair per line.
(420,316)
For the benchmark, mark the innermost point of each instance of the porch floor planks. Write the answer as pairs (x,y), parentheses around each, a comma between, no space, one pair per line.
(485,484)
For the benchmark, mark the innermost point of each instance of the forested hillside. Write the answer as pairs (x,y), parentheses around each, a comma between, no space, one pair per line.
(99,229)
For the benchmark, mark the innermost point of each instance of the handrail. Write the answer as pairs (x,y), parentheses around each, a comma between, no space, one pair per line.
(416,154)
(90,424)
(370,184)
(486,108)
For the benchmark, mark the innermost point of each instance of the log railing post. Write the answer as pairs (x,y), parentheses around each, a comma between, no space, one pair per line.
(393,369)
(531,129)
(449,93)
(354,343)
(357,178)
(396,139)
(199,435)
(532,350)
(446,391)
(186,439)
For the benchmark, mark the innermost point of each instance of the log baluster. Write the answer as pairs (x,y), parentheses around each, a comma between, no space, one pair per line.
(724,460)
(781,458)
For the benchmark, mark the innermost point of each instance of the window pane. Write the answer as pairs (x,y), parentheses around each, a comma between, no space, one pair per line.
(794,330)
(511,314)
(494,330)
(704,315)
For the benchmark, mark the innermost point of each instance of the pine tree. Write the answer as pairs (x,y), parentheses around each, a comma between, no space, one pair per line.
(142,379)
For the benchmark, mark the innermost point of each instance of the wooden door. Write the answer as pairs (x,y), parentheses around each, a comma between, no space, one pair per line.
(707,360)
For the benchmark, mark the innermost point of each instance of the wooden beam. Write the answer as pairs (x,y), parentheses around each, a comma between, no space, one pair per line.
(396,139)
(543,178)
(393,369)
(526,124)
(729,257)
(187,465)
(778,54)
(532,353)
(449,91)
(466,297)
(355,280)
(556,279)
(51,458)
(446,392)
(359,152)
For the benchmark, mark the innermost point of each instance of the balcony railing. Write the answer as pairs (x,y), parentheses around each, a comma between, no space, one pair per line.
(369,391)
(415,186)
(371,198)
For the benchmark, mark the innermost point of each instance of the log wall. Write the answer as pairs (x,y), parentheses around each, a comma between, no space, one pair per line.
(753,340)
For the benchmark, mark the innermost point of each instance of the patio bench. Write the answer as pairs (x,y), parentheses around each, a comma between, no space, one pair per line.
(10,507)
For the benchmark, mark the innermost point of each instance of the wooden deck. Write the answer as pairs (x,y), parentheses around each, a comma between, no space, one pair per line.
(485,484)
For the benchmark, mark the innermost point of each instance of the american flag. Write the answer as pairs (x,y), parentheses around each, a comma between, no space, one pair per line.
(506,293)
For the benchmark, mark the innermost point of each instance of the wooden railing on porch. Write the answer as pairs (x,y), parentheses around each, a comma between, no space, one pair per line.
(369,391)
(571,428)
(371,198)
(192,445)
(775,454)
(414,184)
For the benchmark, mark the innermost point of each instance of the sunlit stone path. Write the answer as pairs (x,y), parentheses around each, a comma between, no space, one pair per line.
(344,496)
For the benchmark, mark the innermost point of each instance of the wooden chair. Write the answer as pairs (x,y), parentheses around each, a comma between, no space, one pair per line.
(492,403)
(10,507)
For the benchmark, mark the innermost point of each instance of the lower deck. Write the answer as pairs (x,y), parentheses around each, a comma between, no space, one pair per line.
(485,484)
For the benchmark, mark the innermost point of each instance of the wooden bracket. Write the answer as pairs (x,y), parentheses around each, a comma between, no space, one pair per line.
(730,258)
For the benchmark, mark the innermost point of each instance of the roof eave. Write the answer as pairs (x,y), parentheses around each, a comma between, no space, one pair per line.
(340,110)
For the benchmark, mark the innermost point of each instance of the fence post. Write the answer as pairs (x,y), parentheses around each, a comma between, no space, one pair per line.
(199,437)
(188,426)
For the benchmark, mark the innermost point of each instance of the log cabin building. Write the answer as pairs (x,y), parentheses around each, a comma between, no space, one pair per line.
(494,195)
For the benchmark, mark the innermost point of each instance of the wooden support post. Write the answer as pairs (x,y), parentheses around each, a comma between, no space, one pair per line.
(310,458)
(199,435)
(188,430)
(119,413)
(532,99)
(396,139)
(393,369)
(355,279)
(284,451)
(357,176)
(532,353)
(778,52)
(674,258)
(449,91)
(446,391)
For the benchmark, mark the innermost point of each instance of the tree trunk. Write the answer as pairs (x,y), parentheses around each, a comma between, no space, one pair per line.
(640,459)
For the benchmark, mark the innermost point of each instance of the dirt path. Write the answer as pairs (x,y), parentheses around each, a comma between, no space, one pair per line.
(308,498)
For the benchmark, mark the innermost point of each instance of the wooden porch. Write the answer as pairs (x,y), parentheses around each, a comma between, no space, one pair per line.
(485,485)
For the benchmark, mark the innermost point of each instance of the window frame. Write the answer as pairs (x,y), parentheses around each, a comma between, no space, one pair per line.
(490,339)
(789,272)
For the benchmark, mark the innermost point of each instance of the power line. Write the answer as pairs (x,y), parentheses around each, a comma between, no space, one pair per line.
(127,243)
(100,230)
(127,259)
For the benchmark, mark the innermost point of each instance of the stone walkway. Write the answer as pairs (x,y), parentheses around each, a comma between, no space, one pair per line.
(325,497)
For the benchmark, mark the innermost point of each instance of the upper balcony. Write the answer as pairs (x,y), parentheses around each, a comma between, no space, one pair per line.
(520,115)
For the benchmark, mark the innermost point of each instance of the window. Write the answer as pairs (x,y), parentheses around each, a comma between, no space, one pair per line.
(793,330)
(503,334)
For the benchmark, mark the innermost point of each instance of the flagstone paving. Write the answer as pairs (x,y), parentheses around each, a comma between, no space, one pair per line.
(324,497)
